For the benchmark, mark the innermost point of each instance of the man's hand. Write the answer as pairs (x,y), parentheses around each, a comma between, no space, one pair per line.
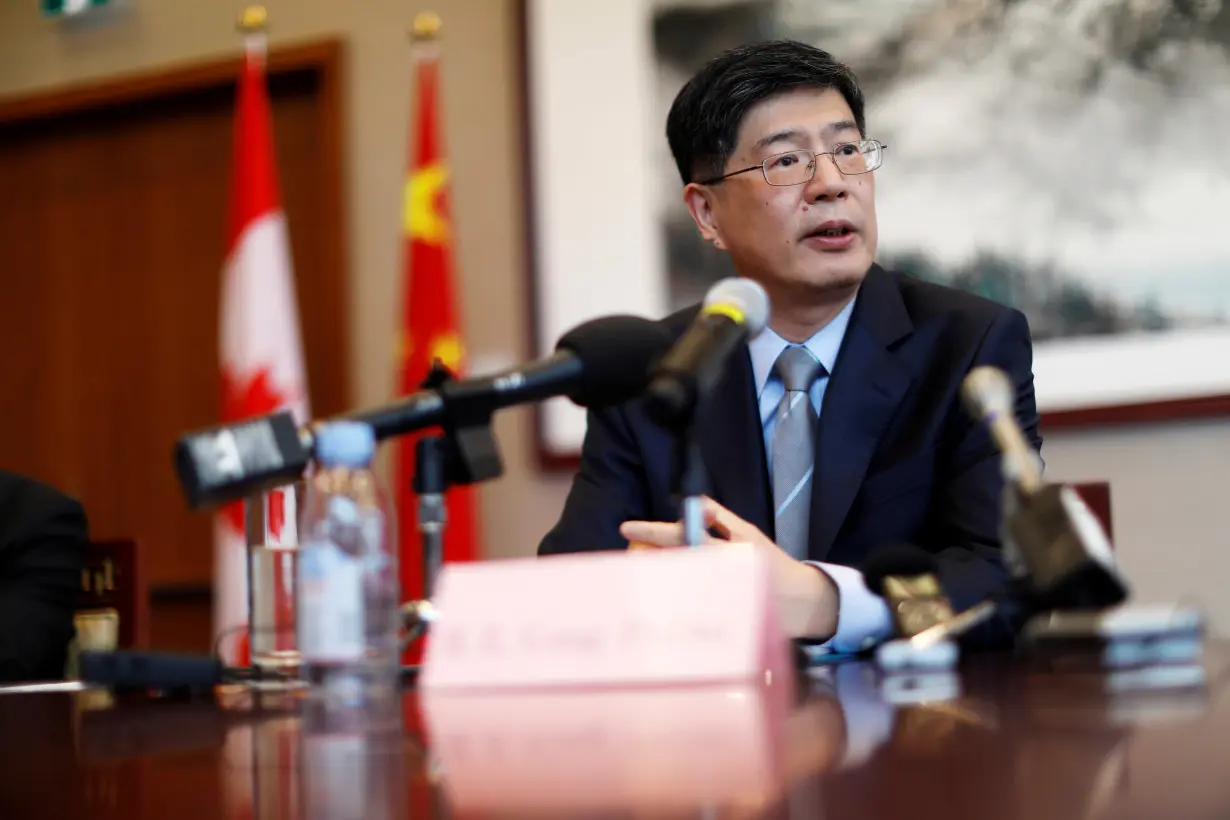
(807,597)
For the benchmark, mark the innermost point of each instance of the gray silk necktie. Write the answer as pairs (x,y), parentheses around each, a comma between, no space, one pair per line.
(794,449)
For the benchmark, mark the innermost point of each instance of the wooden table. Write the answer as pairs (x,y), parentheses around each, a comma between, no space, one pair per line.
(1000,741)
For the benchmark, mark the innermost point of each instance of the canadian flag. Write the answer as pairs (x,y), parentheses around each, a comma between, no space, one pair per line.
(261,350)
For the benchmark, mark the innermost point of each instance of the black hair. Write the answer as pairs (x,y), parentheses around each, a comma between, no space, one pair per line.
(703,124)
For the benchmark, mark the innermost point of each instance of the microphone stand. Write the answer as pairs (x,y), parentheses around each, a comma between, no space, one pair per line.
(429,484)
(691,485)
(464,453)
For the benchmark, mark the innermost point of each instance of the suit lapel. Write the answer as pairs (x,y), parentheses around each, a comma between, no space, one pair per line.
(864,391)
(731,442)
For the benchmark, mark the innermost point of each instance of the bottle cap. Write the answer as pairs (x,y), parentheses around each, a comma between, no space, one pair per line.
(345,444)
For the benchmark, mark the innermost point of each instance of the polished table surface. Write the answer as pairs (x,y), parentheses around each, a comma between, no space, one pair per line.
(1000,739)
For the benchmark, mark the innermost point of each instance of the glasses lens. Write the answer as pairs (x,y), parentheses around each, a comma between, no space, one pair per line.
(791,168)
(858,157)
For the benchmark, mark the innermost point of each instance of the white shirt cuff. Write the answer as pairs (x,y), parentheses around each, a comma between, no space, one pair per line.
(862,616)
(869,717)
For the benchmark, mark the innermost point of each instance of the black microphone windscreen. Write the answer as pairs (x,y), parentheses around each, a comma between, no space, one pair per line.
(616,354)
(226,462)
(896,558)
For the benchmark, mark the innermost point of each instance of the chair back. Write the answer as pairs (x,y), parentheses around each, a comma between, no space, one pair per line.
(1096,494)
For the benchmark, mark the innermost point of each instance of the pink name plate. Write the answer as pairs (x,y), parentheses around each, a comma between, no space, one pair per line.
(675,616)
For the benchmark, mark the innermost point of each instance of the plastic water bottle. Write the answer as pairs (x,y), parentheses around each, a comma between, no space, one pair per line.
(348,587)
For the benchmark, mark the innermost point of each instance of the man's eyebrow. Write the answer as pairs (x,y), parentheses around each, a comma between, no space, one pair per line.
(784,135)
(834,128)
(799,136)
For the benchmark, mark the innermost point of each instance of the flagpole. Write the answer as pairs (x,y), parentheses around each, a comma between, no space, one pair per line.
(437,458)
(434,473)
(430,469)
(253,24)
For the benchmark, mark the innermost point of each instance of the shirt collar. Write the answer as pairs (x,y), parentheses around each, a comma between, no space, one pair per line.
(824,345)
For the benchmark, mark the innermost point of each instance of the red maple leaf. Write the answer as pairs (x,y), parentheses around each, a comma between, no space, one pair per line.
(245,396)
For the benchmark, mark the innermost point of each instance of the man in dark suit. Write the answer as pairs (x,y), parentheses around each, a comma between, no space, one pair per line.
(840,427)
(43,537)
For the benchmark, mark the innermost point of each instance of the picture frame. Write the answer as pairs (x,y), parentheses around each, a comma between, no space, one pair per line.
(601,188)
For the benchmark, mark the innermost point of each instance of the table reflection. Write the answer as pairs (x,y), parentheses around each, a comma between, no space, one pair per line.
(996,740)
(284,765)
(662,749)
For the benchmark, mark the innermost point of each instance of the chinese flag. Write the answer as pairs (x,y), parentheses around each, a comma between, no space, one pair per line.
(430,331)
(261,355)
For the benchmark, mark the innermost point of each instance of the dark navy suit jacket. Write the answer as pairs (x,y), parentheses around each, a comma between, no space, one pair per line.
(898,457)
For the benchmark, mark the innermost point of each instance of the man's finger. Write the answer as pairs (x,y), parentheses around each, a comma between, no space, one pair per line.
(655,533)
(725,523)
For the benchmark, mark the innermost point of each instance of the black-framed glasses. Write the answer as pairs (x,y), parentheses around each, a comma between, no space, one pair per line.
(797,167)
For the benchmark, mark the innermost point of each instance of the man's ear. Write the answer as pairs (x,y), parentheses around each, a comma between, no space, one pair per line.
(699,202)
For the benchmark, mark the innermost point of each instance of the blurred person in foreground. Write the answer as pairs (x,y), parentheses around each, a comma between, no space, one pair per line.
(840,427)
(43,538)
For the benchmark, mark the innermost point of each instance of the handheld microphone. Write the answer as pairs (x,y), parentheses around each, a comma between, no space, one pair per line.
(602,362)
(1057,550)
(990,398)
(734,310)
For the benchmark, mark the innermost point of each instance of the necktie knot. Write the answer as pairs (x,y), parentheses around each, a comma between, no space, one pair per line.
(797,368)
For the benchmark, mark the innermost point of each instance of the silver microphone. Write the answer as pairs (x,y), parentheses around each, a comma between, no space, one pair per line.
(990,398)
(1054,546)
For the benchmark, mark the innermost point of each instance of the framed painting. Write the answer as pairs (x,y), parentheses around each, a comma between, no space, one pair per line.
(1061,158)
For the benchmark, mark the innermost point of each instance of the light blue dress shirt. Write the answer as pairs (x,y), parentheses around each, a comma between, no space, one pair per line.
(862,616)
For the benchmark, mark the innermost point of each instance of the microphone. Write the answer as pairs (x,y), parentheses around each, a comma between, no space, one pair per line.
(734,310)
(990,398)
(907,578)
(602,362)
(1063,557)
(125,669)
(1056,548)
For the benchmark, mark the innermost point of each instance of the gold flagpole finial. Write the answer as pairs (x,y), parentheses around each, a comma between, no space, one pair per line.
(426,26)
(253,19)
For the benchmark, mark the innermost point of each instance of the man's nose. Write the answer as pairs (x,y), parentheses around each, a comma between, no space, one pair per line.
(827,182)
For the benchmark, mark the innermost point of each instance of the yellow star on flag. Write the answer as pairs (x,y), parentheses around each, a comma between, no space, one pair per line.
(424,221)
(449,350)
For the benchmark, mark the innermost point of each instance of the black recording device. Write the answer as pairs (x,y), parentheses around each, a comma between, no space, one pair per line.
(1063,555)
(169,672)
(163,671)
(907,578)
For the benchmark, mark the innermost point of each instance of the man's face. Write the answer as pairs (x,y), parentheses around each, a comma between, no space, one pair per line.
(777,234)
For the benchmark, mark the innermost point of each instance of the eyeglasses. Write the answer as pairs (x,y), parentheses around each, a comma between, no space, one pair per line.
(797,167)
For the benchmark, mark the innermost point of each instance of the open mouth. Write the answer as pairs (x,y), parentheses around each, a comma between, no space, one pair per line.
(832,228)
(832,234)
